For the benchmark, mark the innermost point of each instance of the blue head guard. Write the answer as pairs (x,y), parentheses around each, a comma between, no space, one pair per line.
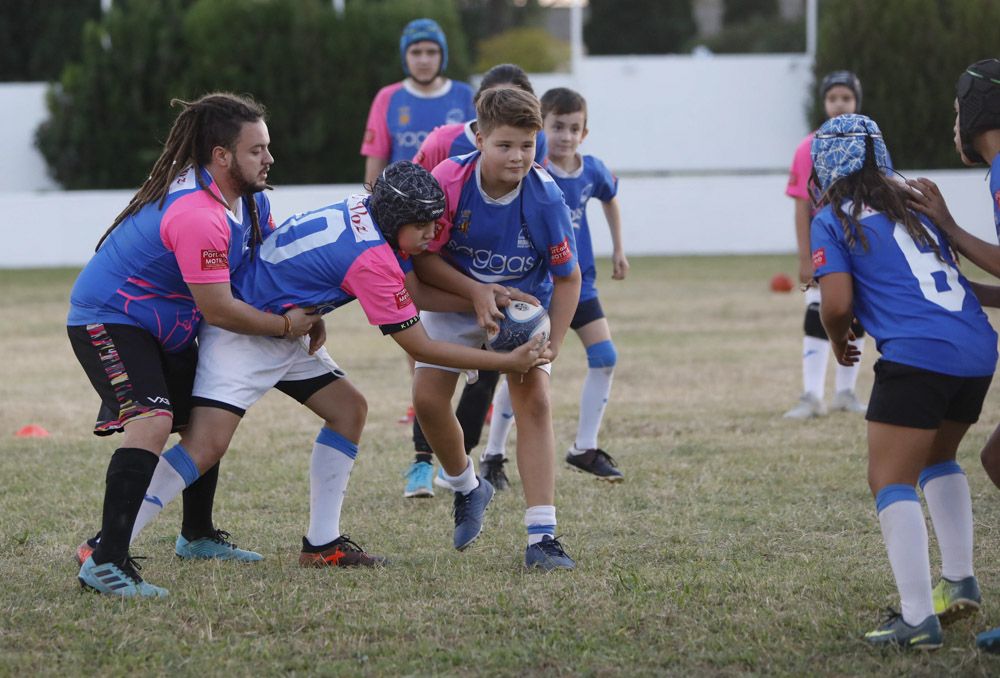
(423,29)
(839,148)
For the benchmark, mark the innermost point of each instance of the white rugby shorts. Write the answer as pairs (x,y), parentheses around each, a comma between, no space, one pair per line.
(237,369)
(456,328)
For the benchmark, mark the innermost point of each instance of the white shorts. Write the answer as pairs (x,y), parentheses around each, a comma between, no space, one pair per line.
(456,328)
(237,369)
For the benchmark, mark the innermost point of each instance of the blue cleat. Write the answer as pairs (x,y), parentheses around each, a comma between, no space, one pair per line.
(469,510)
(954,600)
(419,480)
(117,579)
(547,555)
(989,641)
(215,547)
(895,632)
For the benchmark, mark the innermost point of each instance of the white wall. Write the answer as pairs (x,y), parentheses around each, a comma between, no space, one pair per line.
(22,109)
(715,214)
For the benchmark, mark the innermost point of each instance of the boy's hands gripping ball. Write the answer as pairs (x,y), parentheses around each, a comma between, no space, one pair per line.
(781,283)
(521,321)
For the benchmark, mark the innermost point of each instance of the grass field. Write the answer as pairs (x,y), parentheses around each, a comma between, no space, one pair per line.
(740,543)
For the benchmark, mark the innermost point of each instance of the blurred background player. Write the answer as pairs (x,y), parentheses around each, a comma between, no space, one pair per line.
(977,141)
(162,266)
(404,113)
(474,404)
(882,263)
(505,222)
(840,92)
(580,177)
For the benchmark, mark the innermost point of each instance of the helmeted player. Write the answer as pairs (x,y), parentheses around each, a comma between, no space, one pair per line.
(135,309)
(581,177)
(473,406)
(404,113)
(505,222)
(892,269)
(977,141)
(321,260)
(840,92)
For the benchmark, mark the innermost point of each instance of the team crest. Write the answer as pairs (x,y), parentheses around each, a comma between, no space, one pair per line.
(454,115)
(462,225)
(404,115)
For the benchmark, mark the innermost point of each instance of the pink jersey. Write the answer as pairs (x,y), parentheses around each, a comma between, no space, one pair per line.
(801,171)
(438,144)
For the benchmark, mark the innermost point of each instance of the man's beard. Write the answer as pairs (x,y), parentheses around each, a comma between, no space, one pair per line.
(244,187)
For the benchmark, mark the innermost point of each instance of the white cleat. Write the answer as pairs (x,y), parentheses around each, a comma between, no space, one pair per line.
(808,407)
(847,401)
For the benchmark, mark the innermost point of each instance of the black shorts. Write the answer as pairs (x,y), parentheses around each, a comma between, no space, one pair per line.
(586,312)
(300,390)
(916,398)
(133,375)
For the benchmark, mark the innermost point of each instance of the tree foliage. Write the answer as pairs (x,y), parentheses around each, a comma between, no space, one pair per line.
(533,49)
(314,71)
(37,37)
(908,54)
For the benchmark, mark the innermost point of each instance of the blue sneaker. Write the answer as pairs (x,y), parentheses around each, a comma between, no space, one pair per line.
(216,547)
(469,510)
(989,641)
(954,600)
(895,632)
(118,579)
(419,480)
(547,555)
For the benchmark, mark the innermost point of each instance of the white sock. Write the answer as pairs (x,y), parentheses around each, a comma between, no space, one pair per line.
(950,505)
(174,472)
(329,471)
(846,378)
(905,535)
(540,521)
(464,482)
(593,401)
(501,423)
(815,355)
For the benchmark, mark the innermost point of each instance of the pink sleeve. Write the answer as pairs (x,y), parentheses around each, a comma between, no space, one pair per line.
(451,177)
(434,150)
(798,176)
(377,143)
(199,238)
(378,283)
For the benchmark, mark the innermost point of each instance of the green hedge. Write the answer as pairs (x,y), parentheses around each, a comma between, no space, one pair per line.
(314,71)
(908,54)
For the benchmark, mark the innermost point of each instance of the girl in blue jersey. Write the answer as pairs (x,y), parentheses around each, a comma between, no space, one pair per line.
(893,270)
(977,141)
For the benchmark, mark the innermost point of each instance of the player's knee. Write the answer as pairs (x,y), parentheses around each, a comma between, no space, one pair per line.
(535,403)
(352,412)
(602,354)
(813,326)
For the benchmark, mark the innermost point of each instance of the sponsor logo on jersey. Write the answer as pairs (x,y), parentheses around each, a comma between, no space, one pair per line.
(454,115)
(404,115)
(561,253)
(819,257)
(270,222)
(522,239)
(369,136)
(410,139)
(462,225)
(489,262)
(214,260)
(403,299)
(793,178)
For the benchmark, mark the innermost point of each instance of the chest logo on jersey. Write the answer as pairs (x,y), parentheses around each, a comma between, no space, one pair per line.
(404,115)
(561,253)
(522,239)
(455,115)
(403,299)
(462,225)
(819,257)
(214,260)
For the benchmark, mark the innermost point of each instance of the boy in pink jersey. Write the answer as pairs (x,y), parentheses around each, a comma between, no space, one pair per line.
(505,222)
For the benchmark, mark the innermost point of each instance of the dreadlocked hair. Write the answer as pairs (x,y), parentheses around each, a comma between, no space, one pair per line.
(214,119)
(871,188)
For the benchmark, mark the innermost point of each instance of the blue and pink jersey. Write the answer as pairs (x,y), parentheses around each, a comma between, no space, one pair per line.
(401,118)
(326,258)
(448,141)
(592,179)
(920,309)
(995,191)
(517,240)
(140,275)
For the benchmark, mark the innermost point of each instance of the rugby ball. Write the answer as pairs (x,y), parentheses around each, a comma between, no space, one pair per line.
(521,321)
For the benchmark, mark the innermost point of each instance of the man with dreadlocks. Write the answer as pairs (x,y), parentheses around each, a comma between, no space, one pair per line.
(892,269)
(162,266)
(977,141)
(323,259)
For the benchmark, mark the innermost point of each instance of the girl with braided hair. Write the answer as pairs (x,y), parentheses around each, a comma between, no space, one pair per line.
(894,270)
(136,308)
